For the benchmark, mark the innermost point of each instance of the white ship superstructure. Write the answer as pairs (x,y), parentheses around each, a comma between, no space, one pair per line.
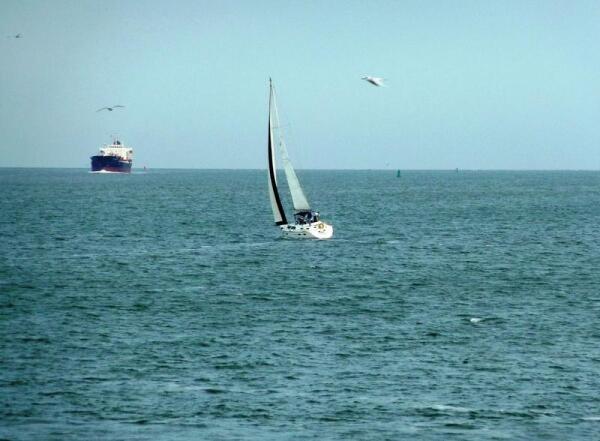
(117,149)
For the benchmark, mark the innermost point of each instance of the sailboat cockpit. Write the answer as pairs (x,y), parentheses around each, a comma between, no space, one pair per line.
(306,217)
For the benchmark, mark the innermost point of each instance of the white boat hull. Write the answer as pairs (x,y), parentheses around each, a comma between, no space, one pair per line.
(315,230)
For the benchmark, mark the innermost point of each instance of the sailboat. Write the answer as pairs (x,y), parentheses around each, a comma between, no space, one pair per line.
(306,220)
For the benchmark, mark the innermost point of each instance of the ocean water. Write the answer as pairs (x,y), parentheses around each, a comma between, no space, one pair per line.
(164,306)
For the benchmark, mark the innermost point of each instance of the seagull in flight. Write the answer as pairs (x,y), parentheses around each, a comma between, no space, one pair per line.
(110,109)
(15,36)
(374,81)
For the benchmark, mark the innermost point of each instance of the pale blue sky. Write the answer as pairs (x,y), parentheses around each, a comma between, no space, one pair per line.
(472,84)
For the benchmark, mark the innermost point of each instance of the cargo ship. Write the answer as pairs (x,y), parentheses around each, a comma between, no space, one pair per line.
(113,158)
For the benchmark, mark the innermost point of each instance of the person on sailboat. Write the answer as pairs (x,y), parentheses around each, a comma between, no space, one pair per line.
(300,217)
(307,217)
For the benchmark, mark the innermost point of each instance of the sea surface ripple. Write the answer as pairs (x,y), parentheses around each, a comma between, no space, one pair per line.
(163,305)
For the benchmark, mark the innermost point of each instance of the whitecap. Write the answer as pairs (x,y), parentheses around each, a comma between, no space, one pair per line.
(446,408)
(591,418)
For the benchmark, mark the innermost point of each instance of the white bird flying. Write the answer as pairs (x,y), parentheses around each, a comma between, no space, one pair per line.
(374,81)
(15,36)
(110,109)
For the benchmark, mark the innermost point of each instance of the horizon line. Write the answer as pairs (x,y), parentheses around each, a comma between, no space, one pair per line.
(313,169)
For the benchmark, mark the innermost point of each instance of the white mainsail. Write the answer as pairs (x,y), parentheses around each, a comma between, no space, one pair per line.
(278,212)
(298,197)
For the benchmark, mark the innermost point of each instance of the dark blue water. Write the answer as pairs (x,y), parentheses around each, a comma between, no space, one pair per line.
(164,306)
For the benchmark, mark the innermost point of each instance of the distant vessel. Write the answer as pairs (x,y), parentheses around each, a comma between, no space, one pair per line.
(307,224)
(113,158)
